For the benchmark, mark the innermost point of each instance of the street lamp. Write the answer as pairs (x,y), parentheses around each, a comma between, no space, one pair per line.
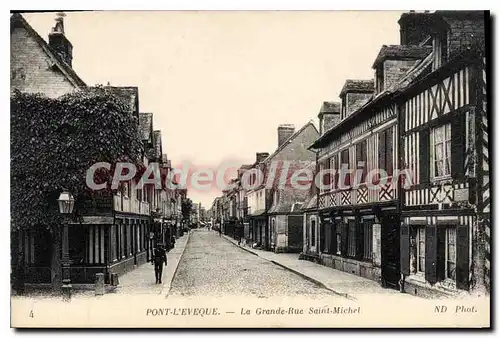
(66,203)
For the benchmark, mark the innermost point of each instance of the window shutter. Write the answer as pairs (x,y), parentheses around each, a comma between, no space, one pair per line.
(389,151)
(431,242)
(322,234)
(441,252)
(333,234)
(424,156)
(328,230)
(462,245)
(345,230)
(405,249)
(381,150)
(457,146)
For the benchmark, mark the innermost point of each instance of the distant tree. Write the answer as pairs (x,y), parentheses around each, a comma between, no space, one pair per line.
(186,208)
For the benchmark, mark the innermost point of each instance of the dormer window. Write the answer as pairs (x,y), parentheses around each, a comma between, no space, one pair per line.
(440,50)
(379,82)
(343,108)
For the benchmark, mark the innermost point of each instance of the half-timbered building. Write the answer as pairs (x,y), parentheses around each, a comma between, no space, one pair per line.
(445,233)
(358,203)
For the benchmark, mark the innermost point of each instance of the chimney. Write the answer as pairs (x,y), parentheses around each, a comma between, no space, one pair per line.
(354,95)
(415,27)
(259,157)
(58,41)
(329,116)
(284,133)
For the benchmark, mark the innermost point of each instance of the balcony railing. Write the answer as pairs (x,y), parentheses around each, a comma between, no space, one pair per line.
(130,205)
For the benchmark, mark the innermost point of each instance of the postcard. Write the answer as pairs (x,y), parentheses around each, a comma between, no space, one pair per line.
(250,169)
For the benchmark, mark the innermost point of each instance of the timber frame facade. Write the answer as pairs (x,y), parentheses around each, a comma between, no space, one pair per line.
(445,233)
(426,232)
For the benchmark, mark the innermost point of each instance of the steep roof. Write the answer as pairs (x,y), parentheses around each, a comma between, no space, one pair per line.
(157,143)
(129,95)
(291,138)
(145,126)
(358,86)
(400,52)
(17,20)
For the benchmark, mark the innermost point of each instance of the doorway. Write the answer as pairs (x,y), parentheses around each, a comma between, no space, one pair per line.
(390,251)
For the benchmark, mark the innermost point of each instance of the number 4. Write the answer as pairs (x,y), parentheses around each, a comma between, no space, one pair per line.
(31,314)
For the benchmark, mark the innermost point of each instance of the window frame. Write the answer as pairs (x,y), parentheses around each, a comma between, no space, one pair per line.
(446,142)
(420,237)
(446,250)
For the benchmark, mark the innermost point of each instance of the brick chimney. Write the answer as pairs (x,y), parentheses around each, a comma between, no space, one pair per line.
(284,133)
(329,116)
(59,42)
(259,157)
(415,27)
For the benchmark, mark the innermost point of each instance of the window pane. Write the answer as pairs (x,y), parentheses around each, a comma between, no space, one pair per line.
(448,131)
(438,151)
(439,168)
(438,135)
(421,264)
(450,268)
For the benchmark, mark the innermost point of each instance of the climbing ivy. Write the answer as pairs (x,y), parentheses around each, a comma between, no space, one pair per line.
(55,141)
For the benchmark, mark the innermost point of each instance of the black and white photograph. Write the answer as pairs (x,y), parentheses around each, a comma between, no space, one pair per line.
(250,169)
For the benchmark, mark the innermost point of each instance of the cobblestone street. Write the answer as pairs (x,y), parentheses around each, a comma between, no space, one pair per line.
(212,266)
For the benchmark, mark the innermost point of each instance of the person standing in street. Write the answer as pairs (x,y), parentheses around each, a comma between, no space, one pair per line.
(159,258)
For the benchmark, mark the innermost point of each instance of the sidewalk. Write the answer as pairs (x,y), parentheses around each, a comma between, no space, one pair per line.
(348,285)
(142,279)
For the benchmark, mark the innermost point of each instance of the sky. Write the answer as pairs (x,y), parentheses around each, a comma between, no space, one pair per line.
(220,83)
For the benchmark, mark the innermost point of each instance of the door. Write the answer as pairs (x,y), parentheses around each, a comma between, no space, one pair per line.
(390,251)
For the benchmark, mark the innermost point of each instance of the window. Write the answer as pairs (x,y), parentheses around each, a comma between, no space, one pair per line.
(361,159)
(338,234)
(139,194)
(451,253)
(367,239)
(440,50)
(380,79)
(441,151)
(313,232)
(351,242)
(327,177)
(344,159)
(421,249)
(386,152)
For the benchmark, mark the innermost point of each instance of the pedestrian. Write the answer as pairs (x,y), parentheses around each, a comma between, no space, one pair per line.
(159,257)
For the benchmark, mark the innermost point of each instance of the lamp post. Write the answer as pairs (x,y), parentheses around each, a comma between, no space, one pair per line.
(66,203)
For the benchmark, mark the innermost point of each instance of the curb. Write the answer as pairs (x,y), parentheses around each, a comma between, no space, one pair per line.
(315,281)
(241,247)
(175,270)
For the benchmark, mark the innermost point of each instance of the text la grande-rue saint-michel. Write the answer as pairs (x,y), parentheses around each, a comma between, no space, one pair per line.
(300,311)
